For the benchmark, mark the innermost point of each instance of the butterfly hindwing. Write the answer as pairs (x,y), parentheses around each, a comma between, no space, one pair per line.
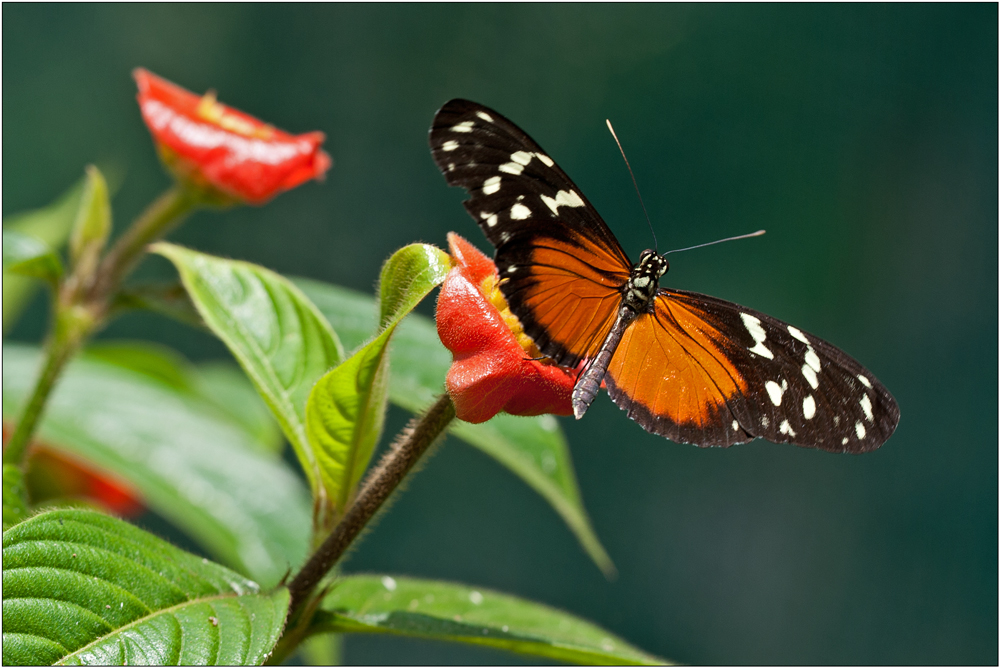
(561,264)
(707,371)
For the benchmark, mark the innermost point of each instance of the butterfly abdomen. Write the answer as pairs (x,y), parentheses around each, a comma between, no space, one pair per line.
(589,382)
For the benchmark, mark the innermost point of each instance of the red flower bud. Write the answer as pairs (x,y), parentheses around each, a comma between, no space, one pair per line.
(229,154)
(495,365)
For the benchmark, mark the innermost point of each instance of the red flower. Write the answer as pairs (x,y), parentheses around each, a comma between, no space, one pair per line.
(495,365)
(224,151)
(56,475)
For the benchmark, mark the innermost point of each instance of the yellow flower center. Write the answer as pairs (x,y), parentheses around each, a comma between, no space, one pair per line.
(491,288)
(213,111)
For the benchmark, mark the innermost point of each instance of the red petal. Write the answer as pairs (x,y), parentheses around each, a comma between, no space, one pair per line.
(491,372)
(252,163)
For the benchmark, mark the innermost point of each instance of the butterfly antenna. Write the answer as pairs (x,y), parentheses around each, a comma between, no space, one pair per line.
(655,244)
(719,241)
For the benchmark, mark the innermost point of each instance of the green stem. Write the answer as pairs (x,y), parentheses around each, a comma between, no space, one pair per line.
(58,351)
(411,443)
(166,212)
(79,312)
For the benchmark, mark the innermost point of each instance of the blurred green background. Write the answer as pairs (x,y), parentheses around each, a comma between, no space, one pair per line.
(862,137)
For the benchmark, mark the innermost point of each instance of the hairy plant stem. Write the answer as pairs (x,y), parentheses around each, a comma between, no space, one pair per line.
(80,306)
(411,443)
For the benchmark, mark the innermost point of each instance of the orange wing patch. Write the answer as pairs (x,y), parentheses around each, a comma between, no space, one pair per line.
(572,295)
(671,376)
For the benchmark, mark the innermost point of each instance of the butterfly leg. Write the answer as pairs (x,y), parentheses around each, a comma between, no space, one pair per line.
(589,382)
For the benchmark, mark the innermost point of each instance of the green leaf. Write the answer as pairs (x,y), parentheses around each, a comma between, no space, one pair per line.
(276,334)
(221,385)
(28,256)
(407,277)
(534,448)
(346,409)
(436,610)
(225,387)
(170,300)
(51,225)
(15,496)
(93,221)
(153,360)
(537,452)
(322,650)
(80,587)
(193,467)
(344,418)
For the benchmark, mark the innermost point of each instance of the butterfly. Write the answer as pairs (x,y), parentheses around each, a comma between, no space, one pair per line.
(686,366)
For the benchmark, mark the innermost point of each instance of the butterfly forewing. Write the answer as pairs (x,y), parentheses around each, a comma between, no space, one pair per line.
(732,373)
(562,266)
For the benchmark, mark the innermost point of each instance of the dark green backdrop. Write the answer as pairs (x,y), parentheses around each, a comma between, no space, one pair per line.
(863,137)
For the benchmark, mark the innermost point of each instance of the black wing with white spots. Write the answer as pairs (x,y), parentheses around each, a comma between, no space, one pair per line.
(558,257)
(762,378)
(515,188)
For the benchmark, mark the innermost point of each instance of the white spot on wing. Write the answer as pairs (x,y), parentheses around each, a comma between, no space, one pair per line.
(483,115)
(752,324)
(812,359)
(512,168)
(546,160)
(810,375)
(774,391)
(736,425)
(520,212)
(859,430)
(464,126)
(809,407)
(563,198)
(764,421)
(795,332)
(521,157)
(569,198)
(511,269)
(866,406)
(844,441)
(864,381)
(491,185)
(449,145)
(786,428)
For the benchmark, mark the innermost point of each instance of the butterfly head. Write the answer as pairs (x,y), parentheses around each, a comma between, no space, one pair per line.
(652,263)
(644,280)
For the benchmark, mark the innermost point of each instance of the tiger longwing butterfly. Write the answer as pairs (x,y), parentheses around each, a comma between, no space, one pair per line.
(686,366)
